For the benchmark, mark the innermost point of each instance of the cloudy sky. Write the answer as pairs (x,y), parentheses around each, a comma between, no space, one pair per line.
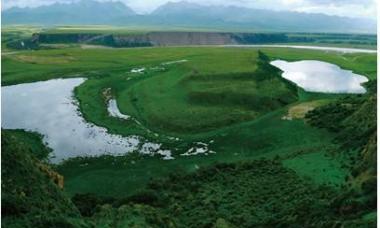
(353,8)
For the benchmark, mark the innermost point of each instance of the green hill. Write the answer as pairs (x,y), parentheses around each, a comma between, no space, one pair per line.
(30,198)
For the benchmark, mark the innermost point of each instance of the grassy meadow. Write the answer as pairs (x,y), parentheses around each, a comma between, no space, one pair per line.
(230,98)
(209,97)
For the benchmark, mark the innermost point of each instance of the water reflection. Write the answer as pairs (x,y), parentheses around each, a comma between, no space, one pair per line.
(114,111)
(48,108)
(318,76)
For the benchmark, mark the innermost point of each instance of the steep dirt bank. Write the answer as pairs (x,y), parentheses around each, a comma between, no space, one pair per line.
(163,38)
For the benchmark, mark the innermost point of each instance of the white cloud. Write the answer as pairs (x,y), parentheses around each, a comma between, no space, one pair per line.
(348,10)
(291,2)
(353,8)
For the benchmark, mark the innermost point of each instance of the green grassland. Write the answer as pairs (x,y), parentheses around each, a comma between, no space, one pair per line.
(230,98)
(202,99)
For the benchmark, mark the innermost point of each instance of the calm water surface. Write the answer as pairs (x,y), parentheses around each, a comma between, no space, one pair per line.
(49,108)
(320,48)
(318,76)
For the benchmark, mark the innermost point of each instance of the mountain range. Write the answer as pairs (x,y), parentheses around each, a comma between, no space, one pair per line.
(185,14)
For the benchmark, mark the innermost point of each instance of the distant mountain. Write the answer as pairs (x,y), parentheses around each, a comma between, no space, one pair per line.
(81,12)
(238,17)
(185,14)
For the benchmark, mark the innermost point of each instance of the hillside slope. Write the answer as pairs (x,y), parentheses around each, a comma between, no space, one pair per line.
(30,198)
(353,118)
(260,193)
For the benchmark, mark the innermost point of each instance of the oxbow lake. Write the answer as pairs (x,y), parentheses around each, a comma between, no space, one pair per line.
(318,76)
(49,108)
